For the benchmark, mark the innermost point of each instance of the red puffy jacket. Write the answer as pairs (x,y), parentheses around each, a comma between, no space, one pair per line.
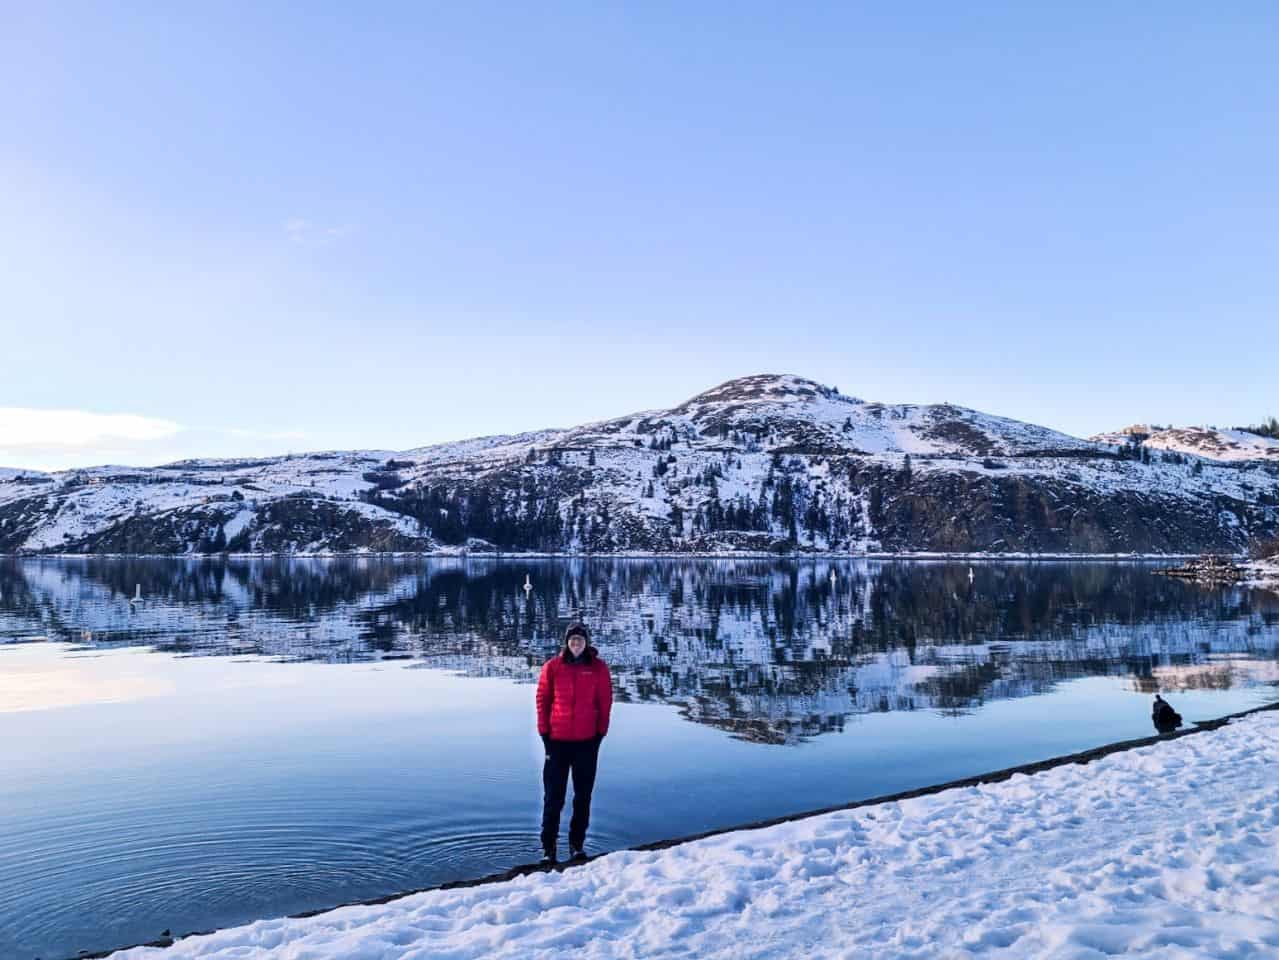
(574,699)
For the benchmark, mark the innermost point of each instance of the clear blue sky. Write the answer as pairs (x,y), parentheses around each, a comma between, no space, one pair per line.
(311,226)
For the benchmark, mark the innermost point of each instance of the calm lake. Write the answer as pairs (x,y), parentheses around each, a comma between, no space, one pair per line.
(261,737)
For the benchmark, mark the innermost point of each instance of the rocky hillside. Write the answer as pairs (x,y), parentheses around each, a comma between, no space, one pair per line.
(764,463)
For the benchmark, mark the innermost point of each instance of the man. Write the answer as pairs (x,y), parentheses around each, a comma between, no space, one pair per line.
(574,699)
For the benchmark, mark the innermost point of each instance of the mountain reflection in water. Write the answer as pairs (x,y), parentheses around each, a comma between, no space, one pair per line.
(772,651)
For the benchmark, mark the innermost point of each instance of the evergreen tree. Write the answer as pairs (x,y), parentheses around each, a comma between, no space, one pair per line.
(1267,428)
(875,506)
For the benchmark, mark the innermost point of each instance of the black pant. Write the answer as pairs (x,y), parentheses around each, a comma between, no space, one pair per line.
(578,757)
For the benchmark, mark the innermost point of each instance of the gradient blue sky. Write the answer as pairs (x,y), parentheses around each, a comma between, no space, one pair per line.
(304,226)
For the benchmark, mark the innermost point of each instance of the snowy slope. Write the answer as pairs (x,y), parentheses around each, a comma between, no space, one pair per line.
(1208,442)
(780,412)
(1170,850)
(202,495)
(765,463)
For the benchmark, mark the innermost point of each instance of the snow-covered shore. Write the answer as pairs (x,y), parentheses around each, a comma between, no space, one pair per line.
(1169,850)
(1263,573)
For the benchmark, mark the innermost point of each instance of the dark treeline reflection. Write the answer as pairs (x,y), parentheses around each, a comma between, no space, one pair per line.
(768,650)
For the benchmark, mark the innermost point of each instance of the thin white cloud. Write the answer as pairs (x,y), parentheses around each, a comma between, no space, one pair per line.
(303,231)
(32,439)
(77,429)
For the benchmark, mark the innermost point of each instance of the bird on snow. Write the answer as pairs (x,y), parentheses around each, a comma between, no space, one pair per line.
(1165,718)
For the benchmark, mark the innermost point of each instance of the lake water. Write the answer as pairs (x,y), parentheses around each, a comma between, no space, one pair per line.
(262,737)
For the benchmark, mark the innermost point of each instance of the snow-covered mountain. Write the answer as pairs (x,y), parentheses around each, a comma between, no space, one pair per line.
(763,463)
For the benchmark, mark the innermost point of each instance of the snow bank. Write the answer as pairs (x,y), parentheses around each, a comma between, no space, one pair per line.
(1167,851)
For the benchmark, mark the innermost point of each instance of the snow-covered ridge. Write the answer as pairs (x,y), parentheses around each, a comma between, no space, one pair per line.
(787,412)
(765,463)
(1166,850)
(1211,443)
